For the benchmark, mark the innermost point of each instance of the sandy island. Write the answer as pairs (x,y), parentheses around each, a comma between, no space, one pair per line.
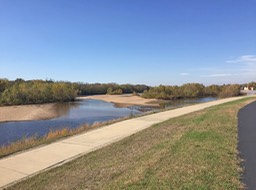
(48,111)
(124,100)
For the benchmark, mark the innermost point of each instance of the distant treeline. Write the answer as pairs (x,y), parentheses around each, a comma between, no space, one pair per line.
(46,91)
(110,88)
(192,90)
(39,91)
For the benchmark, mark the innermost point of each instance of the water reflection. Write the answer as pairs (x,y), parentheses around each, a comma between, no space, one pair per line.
(62,109)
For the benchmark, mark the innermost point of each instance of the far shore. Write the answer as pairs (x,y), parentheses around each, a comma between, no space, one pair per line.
(124,100)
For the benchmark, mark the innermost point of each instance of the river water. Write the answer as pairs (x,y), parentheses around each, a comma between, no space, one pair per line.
(75,114)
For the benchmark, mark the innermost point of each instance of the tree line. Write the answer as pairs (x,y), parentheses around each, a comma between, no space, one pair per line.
(109,88)
(47,91)
(192,90)
(34,92)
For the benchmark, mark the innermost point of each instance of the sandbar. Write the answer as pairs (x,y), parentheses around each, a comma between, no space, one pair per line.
(27,112)
(124,100)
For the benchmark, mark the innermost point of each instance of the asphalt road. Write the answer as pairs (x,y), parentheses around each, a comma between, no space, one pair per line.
(247,144)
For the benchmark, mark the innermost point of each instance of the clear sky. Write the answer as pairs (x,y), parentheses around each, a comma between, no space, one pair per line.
(151,42)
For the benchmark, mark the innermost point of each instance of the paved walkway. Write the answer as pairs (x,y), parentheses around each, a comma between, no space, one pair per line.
(23,165)
(247,144)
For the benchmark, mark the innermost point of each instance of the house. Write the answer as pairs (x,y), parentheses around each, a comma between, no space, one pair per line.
(249,88)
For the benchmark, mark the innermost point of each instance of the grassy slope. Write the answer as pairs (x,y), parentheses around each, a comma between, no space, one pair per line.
(196,151)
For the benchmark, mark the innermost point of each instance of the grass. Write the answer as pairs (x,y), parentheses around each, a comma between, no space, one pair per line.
(195,151)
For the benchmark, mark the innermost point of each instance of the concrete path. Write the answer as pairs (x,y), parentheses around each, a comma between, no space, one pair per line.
(247,144)
(26,164)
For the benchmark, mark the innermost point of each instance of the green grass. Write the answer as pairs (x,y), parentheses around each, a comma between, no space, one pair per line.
(195,151)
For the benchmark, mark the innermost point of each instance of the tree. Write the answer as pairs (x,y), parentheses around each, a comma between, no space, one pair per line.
(109,91)
(212,90)
(252,84)
(192,90)
(4,84)
(230,91)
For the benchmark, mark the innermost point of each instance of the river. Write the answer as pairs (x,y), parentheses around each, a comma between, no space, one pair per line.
(75,114)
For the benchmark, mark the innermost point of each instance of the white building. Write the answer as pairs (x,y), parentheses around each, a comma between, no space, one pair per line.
(249,88)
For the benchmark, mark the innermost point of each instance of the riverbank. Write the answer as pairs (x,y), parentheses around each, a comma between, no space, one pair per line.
(27,112)
(124,100)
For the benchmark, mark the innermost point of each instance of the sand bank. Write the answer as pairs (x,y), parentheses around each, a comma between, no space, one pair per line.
(27,112)
(124,100)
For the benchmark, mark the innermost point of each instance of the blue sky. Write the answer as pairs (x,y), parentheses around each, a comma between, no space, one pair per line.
(129,41)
